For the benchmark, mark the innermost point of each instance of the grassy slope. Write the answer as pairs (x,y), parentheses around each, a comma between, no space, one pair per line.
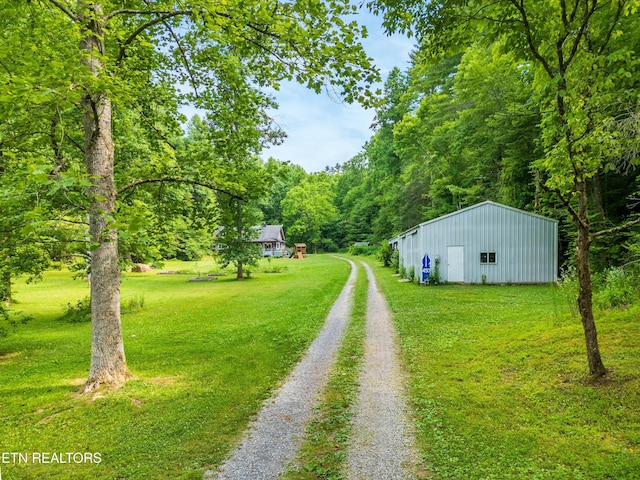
(205,355)
(499,385)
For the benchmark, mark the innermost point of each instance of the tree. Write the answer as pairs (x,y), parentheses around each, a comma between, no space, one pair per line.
(585,64)
(383,161)
(433,176)
(82,61)
(349,188)
(21,248)
(34,229)
(227,144)
(285,176)
(308,207)
(235,240)
(473,134)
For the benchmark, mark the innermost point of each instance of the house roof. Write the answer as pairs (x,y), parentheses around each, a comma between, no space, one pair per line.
(477,205)
(263,233)
(270,233)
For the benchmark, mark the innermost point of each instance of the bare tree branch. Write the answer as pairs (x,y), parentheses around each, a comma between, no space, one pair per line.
(581,31)
(161,19)
(210,186)
(563,200)
(519,5)
(563,13)
(162,136)
(7,69)
(183,54)
(132,11)
(574,12)
(65,9)
(614,24)
(57,151)
(619,228)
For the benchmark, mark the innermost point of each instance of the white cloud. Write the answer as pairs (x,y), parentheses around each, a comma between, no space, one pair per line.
(321,130)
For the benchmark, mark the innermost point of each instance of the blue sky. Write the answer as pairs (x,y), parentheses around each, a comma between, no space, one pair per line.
(322,130)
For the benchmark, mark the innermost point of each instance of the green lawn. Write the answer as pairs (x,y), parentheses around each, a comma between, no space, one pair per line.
(498,377)
(205,355)
(499,385)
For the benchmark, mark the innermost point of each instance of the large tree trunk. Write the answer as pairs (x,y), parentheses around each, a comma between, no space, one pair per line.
(585,303)
(240,272)
(108,365)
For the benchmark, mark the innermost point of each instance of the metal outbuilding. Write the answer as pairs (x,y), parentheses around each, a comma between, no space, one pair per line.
(485,243)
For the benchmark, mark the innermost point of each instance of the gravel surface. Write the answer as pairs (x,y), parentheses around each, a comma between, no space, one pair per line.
(273,439)
(382,439)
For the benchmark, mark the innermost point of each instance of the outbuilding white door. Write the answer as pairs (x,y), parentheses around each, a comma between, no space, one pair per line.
(455,264)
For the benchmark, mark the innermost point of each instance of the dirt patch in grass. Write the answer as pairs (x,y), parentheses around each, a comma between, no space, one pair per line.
(9,356)
(163,381)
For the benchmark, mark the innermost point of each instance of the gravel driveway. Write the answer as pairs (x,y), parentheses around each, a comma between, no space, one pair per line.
(381,446)
(273,439)
(382,442)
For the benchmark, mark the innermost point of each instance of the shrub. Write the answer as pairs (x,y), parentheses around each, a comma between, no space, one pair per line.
(568,286)
(81,310)
(78,312)
(132,304)
(434,278)
(614,290)
(385,254)
(328,245)
(56,265)
(10,320)
(363,250)
(395,261)
(402,270)
(412,273)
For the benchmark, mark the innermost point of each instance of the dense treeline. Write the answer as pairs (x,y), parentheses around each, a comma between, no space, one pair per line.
(448,134)
(533,104)
(464,123)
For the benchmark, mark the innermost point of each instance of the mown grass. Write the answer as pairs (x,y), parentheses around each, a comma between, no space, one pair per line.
(205,356)
(499,383)
(324,448)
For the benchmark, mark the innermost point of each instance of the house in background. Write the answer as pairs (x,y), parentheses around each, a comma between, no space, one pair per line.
(485,243)
(272,240)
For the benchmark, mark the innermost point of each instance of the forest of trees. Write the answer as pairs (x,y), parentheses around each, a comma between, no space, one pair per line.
(451,133)
(531,104)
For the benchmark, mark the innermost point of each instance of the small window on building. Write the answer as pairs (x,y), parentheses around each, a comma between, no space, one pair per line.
(488,257)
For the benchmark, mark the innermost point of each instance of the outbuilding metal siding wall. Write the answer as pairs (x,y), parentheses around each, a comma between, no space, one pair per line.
(525,244)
